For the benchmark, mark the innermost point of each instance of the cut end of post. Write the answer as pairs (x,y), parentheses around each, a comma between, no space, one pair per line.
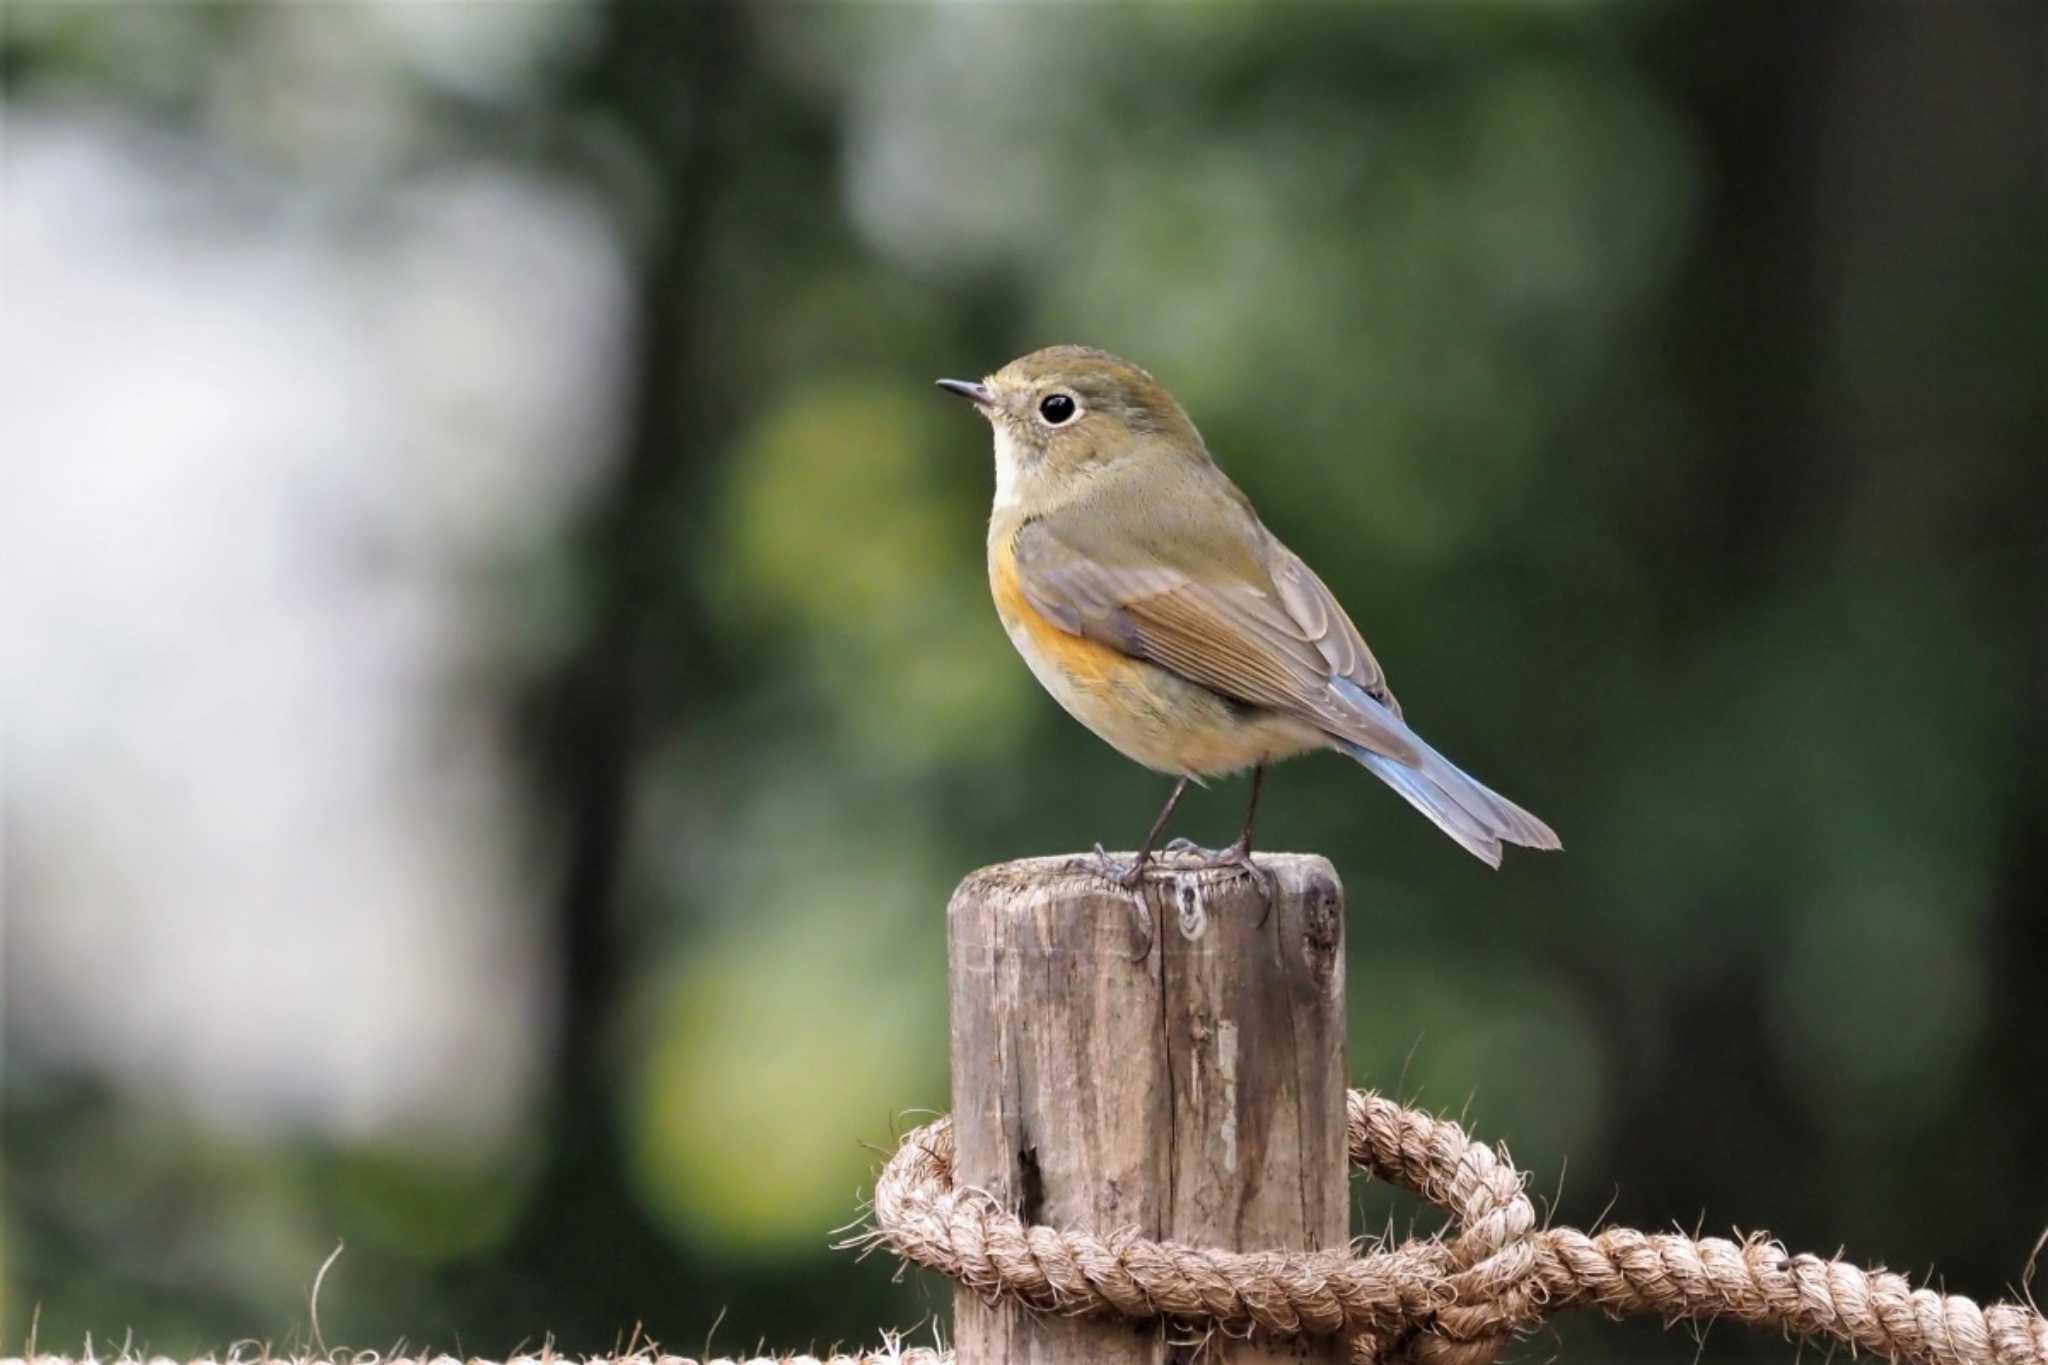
(1291,873)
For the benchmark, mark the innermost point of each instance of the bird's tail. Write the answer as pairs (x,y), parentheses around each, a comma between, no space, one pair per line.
(1480,819)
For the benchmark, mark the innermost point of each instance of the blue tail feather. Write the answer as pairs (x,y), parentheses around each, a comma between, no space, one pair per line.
(1478,818)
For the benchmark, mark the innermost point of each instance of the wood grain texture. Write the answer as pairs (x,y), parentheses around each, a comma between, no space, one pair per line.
(1169,1060)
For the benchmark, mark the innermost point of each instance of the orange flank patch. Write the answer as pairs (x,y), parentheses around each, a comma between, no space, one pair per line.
(1147,713)
(1085,662)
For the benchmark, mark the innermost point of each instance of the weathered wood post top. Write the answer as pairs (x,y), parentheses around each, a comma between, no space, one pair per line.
(1168,1060)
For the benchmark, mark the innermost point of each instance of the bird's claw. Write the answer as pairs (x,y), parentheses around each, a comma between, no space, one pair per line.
(1261,878)
(1127,875)
(1239,857)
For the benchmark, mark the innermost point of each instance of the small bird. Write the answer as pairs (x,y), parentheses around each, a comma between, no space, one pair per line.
(1148,598)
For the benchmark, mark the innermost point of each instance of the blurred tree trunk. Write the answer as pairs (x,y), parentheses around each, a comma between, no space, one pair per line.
(669,76)
(1842,142)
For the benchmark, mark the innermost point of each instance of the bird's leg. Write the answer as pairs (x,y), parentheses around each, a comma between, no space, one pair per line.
(1230,855)
(1129,874)
(1239,854)
(1243,847)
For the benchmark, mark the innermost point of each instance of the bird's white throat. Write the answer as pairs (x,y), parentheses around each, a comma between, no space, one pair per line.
(1011,462)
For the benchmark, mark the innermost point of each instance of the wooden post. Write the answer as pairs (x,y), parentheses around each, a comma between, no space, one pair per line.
(1169,1060)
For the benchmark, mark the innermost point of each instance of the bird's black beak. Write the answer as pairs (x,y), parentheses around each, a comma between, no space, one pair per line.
(977,394)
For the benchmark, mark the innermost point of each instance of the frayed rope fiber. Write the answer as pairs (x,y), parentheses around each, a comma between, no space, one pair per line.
(1436,1300)
(906,1356)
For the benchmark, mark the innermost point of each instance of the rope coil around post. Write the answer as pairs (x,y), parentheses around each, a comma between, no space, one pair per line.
(1432,1300)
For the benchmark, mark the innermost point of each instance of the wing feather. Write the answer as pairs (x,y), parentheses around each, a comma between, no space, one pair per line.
(1244,618)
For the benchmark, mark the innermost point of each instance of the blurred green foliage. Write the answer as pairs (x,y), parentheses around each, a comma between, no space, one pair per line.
(1660,387)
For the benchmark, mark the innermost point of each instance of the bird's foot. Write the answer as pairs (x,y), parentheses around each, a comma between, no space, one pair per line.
(1229,856)
(1239,856)
(1236,856)
(1127,875)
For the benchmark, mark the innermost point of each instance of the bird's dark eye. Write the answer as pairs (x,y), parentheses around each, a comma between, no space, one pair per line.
(1055,408)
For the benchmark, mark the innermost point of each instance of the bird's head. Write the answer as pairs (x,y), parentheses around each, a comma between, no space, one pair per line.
(1067,410)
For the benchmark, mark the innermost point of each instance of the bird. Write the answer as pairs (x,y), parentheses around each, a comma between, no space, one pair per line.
(1145,594)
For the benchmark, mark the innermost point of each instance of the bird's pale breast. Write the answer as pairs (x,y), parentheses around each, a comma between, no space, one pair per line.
(1147,713)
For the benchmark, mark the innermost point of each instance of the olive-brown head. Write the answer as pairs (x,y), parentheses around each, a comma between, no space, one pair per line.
(1067,409)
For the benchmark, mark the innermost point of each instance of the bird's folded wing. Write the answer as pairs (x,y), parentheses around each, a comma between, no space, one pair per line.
(1248,620)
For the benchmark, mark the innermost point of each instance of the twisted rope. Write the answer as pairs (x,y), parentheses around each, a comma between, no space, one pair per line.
(1430,1300)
